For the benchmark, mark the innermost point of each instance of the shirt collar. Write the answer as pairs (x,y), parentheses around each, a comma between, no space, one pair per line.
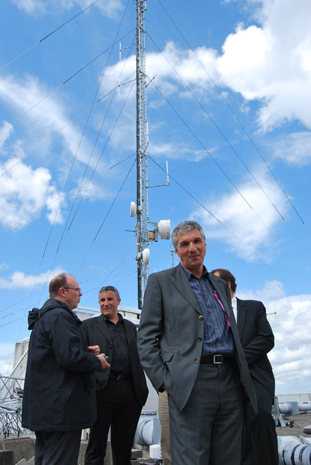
(119,315)
(189,274)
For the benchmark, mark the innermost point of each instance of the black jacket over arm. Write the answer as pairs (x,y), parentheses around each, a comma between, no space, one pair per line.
(257,340)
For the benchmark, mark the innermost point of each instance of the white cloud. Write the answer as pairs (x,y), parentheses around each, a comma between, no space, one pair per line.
(19,280)
(39,7)
(6,363)
(244,54)
(46,116)
(30,6)
(109,7)
(5,132)
(175,63)
(268,63)
(272,290)
(271,63)
(177,151)
(89,190)
(291,357)
(160,67)
(244,229)
(294,149)
(289,317)
(166,68)
(7,349)
(6,358)
(3,266)
(24,191)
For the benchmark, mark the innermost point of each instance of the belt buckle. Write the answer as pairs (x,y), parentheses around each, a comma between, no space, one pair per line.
(217,359)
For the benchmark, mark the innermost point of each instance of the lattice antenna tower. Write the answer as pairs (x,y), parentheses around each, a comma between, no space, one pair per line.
(141,152)
(140,209)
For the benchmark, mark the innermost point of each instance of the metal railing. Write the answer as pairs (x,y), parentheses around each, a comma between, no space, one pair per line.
(11,398)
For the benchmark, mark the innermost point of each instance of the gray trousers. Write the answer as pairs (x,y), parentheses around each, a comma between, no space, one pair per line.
(208,431)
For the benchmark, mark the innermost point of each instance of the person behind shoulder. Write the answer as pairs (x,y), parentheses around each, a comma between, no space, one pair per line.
(189,346)
(260,444)
(121,389)
(56,399)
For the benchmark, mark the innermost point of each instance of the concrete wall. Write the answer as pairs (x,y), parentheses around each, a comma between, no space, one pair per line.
(23,448)
(14,450)
(294,397)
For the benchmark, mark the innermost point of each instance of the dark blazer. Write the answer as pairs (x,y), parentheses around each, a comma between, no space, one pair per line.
(257,340)
(96,333)
(170,334)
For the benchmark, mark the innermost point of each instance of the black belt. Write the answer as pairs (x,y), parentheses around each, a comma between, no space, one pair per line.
(216,359)
(119,376)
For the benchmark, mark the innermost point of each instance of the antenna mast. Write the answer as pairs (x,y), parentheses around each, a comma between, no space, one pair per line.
(140,209)
(141,153)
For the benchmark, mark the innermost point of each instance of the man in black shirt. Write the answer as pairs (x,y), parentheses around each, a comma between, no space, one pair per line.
(121,389)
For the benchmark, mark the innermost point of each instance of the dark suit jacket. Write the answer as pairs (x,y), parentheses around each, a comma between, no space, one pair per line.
(257,340)
(96,333)
(170,334)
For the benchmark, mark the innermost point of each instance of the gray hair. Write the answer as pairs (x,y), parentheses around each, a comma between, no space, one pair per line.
(110,288)
(185,226)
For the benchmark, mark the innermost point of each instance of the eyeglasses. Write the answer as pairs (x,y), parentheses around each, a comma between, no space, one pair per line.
(107,288)
(73,288)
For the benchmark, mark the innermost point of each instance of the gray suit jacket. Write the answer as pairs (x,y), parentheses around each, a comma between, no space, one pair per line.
(257,340)
(170,334)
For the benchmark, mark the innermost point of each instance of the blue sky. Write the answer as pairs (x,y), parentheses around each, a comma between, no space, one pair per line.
(228,105)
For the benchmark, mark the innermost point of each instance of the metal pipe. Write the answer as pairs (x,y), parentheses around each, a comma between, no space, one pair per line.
(304,406)
(294,450)
(148,430)
(293,408)
(285,408)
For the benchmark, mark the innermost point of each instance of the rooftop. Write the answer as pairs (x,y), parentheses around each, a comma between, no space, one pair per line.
(299,422)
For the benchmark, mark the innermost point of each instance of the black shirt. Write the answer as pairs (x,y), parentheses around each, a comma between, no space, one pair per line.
(120,362)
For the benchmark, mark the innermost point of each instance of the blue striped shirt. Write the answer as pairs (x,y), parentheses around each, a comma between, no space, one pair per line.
(217,337)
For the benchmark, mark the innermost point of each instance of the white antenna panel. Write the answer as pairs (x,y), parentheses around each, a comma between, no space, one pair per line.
(146,256)
(133,209)
(164,228)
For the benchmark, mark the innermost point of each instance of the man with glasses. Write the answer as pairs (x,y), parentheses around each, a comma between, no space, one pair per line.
(56,400)
(121,389)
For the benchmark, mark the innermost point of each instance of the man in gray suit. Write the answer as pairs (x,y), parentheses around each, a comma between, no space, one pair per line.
(189,346)
(260,444)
